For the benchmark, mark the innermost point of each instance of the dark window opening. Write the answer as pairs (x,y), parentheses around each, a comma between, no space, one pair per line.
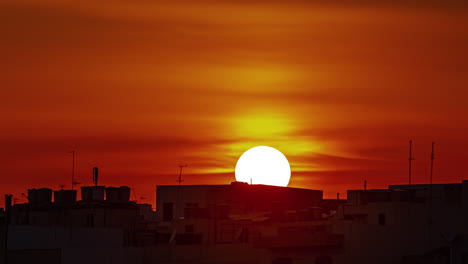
(324,260)
(90,220)
(282,261)
(320,228)
(382,220)
(168,211)
(244,236)
(191,205)
(464,258)
(189,229)
(189,239)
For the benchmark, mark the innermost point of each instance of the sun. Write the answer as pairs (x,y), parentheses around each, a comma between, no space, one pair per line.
(263,165)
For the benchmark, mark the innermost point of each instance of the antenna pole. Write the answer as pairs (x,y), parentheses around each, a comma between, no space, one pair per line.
(180,173)
(134,195)
(95,176)
(177,206)
(432,160)
(73,169)
(410,159)
(429,226)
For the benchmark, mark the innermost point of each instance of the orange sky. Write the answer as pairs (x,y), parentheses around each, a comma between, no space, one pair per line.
(141,86)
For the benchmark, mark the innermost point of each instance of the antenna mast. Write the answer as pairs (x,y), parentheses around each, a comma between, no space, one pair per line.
(410,159)
(180,173)
(177,207)
(135,195)
(432,160)
(95,176)
(429,224)
(73,182)
(73,169)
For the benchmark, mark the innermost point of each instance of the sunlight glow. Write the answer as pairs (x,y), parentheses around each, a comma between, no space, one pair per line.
(263,165)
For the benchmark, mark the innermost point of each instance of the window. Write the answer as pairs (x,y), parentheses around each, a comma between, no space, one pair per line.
(244,236)
(227,234)
(320,228)
(382,220)
(464,258)
(282,261)
(324,260)
(189,229)
(90,220)
(168,211)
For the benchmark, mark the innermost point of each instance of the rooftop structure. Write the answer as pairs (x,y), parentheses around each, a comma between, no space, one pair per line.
(175,201)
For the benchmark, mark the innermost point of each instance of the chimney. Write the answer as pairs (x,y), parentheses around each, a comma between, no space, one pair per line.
(8,199)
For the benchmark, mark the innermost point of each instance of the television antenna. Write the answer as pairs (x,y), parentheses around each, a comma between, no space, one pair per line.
(410,159)
(181,166)
(73,182)
(432,160)
(135,195)
(95,176)
(24,196)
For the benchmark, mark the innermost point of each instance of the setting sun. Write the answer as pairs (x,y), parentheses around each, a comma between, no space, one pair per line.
(263,165)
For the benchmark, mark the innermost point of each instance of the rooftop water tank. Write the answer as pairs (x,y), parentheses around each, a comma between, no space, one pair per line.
(112,194)
(40,196)
(124,194)
(65,196)
(92,193)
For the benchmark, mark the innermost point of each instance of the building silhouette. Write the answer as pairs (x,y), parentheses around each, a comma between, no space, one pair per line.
(238,223)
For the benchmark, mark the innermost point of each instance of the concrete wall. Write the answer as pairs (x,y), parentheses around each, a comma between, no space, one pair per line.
(2,242)
(179,196)
(28,256)
(411,228)
(127,255)
(101,216)
(239,198)
(222,254)
(51,237)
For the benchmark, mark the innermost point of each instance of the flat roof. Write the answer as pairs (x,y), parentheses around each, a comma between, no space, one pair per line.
(238,184)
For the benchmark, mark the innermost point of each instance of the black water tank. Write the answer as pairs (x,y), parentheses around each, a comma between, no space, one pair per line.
(65,196)
(124,194)
(112,194)
(40,196)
